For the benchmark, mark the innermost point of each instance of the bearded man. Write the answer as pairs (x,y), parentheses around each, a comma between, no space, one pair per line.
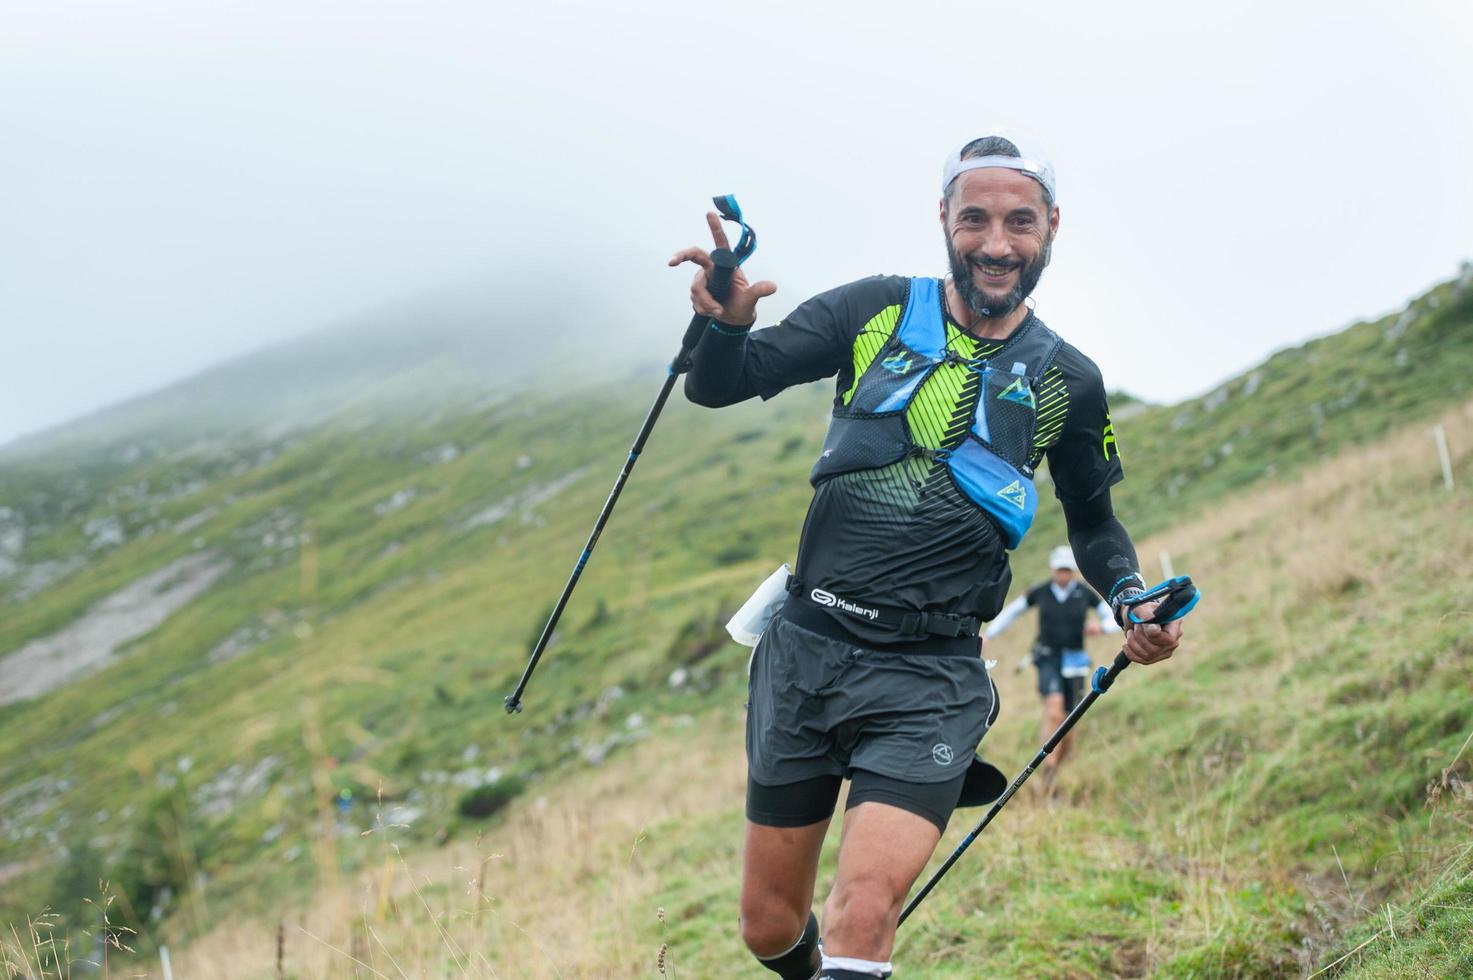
(949,394)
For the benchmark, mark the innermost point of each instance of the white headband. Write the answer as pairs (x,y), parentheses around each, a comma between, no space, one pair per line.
(1040,170)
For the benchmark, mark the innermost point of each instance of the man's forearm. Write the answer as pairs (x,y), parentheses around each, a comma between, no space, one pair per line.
(718,374)
(1102,547)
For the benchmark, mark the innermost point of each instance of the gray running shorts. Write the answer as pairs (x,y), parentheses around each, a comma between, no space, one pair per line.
(820,706)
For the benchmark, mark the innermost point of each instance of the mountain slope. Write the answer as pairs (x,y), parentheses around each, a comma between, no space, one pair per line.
(1288,794)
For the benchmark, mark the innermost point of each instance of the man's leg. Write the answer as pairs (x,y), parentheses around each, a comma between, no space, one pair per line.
(779,865)
(1073,690)
(1054,713)
(785,831)
(923,718)
(882,851)
(1053,688)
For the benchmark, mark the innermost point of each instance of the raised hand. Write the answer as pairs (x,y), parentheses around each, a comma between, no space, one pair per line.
(740,308)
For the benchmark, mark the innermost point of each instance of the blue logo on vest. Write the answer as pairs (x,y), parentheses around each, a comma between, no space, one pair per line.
(896,364)
(1014,494)
(1017,392)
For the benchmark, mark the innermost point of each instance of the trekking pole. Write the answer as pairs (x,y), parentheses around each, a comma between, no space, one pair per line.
(1177,596)
(718,284)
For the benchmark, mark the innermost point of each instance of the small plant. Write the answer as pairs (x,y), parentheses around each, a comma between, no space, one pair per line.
(600,616)
(744,548)
(662,958)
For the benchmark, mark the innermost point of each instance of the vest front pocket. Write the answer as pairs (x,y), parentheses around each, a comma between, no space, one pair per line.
(996,486)
(1006,417)
(890,381)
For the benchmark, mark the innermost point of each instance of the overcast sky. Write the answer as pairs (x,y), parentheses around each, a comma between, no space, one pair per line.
(184,180)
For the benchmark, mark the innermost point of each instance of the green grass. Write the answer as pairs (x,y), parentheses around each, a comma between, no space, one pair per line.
(1431,936)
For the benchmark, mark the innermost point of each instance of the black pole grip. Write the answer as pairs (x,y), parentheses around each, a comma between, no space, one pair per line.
(718,282)
(1177,599)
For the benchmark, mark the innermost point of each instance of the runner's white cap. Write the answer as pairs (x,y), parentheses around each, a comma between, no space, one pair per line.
(1062,557)
(1030,160)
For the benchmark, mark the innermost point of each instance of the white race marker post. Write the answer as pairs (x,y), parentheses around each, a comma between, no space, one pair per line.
(1439,434)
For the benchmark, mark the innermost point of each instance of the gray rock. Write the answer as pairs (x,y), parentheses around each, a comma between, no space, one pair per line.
(399,500)
(104,532)
(440,455)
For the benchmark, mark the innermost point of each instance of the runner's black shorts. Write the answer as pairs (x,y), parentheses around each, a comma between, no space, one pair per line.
(1051,679)
(903,727)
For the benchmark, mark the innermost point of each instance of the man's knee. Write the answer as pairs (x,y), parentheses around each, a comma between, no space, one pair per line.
(863,911)
(769,928)
(777,948)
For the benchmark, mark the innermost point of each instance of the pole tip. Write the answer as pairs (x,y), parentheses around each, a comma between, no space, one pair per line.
(513,704)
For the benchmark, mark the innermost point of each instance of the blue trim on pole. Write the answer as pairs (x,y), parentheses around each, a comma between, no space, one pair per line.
(1094,682)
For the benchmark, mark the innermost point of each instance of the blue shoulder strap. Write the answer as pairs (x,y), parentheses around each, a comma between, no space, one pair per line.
(921,327)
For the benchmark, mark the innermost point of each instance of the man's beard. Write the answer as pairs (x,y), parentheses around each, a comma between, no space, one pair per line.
(995,306)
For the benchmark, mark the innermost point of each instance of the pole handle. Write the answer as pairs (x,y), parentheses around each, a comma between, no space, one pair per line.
(724,262)
(718,284)
(1178,596)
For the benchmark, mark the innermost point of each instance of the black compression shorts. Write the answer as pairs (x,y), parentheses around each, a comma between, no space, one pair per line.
(812,800)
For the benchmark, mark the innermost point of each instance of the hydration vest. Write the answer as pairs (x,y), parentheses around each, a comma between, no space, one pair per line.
(991,466)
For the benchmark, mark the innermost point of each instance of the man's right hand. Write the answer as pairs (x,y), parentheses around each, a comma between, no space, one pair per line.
(1149,643)
(740,308)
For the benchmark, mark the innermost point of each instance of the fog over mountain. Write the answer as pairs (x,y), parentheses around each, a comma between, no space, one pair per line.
(478,339)
(190,182)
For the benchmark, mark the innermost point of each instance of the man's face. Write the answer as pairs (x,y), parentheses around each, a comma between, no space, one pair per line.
(1063,576)
(999,233)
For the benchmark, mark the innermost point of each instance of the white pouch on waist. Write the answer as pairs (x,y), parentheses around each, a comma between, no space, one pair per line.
(747,625)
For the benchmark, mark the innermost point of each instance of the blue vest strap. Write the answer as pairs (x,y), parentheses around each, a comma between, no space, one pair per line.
(921,328)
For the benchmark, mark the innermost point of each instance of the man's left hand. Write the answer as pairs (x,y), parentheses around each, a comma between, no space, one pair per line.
(1149,643)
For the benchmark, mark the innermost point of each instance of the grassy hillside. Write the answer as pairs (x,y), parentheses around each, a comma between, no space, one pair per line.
(1291,794)
(381,581)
